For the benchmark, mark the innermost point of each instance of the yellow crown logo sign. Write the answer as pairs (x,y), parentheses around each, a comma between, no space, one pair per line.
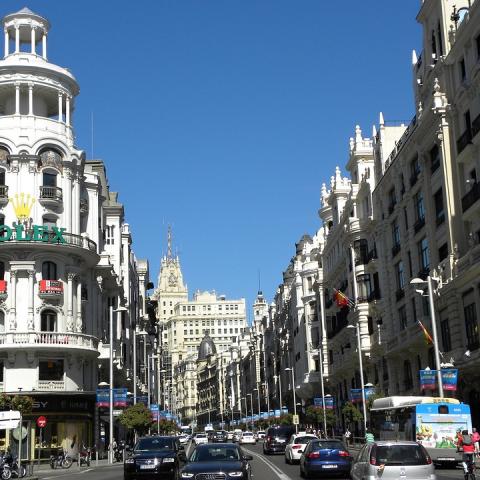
(22,205)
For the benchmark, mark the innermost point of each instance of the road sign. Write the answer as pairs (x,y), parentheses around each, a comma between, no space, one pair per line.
(9,419)
(296,420)
(41,421)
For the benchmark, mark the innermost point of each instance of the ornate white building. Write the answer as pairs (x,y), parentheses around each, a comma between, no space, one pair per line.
(65,254)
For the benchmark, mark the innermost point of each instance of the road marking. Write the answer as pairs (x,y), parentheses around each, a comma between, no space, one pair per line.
(275,469)
(87,470)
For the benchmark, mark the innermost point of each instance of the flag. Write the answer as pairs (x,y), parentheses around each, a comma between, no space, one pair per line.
(428,338)
(342,299)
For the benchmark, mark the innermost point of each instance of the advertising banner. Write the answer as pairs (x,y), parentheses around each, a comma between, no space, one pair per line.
(264,415)
(120,397)
(284,411)
(103,397)
(369,392)
(271,413)
(143,400)
(428,379)
(155,411)
(329,402)
(356,395)
(449,379)
(277,413)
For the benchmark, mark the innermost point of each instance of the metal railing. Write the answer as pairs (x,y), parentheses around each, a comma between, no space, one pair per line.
(49,385)
(51,193)
(67,339)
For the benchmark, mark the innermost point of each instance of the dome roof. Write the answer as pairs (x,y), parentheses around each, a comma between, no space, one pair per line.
(206,348)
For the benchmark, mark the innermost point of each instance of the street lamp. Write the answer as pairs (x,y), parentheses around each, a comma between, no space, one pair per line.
(294,395)
(279,378)
(322,386)
(251,408)
(362,381)
(418,282)
(246,408)
(110,430)
(258,399)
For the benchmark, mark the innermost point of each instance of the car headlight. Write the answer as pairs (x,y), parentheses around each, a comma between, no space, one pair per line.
(235,474)
(130,460)
(168,460)
(186,475)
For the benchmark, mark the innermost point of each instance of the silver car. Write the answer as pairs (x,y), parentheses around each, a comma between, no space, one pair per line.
(390,460)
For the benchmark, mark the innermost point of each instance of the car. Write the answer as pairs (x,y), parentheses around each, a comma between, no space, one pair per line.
(325,457)
(183,439)
(230,435)
(296,445)
(261,435)
(153,457)
(200,438)
(276,438)
(390,459)
(220,436)
(247,437)
(236,434)
(219,460)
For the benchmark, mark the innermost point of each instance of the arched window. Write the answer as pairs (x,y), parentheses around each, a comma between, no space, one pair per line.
(49,271)
(48,321)
(49,178)
(2,322)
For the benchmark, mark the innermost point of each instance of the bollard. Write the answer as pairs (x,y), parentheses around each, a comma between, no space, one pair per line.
(96,457)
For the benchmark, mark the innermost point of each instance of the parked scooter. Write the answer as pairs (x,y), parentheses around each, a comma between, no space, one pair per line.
(12,462)
(85,456)
(60,460)
(118,451)
(5,471)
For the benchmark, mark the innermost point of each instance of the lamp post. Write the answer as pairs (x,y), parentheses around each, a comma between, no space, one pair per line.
(110,429)
(429,282)
(294,395)
(251,408)
(258,400)
(279,379)
(246,410)
(322,386)
(362,381)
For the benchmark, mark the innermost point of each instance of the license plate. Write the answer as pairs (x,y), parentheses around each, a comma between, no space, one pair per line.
(280,441)
(329,466)
(446,459)
(147,467)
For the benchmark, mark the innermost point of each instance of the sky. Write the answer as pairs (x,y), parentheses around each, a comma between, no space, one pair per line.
(223,118)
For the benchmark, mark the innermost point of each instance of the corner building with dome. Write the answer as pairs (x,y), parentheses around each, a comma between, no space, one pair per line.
(65,254)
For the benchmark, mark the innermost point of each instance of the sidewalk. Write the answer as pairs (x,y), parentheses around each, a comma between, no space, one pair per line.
(45,467)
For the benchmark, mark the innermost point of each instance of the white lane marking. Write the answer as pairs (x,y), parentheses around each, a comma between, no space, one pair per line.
(275,469)
(87,470)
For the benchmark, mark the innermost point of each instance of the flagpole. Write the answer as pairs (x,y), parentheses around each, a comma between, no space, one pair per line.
(359,340)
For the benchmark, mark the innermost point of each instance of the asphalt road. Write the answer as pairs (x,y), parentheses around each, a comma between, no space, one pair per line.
(271,467)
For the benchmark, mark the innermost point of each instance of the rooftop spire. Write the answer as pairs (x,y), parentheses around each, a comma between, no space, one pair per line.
(169,243)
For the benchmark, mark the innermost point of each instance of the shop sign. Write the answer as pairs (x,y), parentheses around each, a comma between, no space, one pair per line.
(54,287)
(38,233)
(3,286)
(71,403)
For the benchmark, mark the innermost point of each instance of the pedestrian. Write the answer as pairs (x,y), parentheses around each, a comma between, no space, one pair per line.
(476,441)
(369,437)
(347,436)
(465,445)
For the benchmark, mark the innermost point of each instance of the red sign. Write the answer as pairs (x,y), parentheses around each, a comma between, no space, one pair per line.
(51,286)
(41,421)
(3,286)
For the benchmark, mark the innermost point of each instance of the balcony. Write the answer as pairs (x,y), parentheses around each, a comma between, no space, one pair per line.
(51,385)
(396,249)
(50,196)
(399,294)
(48,341)
(3,195)
(464,140)
(50,289)
(471,197)
(419,224)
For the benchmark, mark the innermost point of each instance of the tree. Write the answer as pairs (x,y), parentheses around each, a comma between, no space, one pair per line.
(352,413)
(20,403)
(137,417)
(286,419)
(165,426)
(315,415)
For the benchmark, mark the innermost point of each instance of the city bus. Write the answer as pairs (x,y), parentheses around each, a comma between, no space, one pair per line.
(430,421)
(186,430)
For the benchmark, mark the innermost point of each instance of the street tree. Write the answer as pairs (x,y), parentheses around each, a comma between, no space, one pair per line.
(137,417)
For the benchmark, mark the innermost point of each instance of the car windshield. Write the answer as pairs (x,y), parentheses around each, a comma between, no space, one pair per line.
(212,454)
(328,445)
(201,435)
(247,434)
(399,455)
(303,440)
(146,444)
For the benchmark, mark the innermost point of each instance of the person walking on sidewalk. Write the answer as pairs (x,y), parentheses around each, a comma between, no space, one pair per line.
(369,437)
(476,441)
(465,444)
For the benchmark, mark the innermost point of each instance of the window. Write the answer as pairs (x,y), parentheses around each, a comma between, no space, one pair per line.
(438,201)
(50,370)
(445,332)
(384,368)
(434,158)
(392,200)
(395,233)
(443,252)
(477,42)
(2,322)
(463,70)
(402,317)
(360,248)
(414,310)
(364,287)
(419,206)
(471,326)
(49,179)
(408,379)
(423,255)
(415,170)
(400,275)
(49,271)
(2,271)
(110,234)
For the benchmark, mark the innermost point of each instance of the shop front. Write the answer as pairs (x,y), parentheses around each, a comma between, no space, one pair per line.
(69,425)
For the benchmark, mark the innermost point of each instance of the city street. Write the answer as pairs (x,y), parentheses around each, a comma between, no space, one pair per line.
(264,467)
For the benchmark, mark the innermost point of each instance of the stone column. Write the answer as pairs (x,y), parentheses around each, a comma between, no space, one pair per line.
(13,300)
(30,98)
(76,206)
(79,324)
(17,39)
(70,278)
(60,106)
(32,38)
(7,43)
(30,320)
(67,199)
(17,98)
(67,110)
(44,46)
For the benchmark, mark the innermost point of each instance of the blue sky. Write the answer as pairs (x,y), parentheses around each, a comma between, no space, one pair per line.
(223,118)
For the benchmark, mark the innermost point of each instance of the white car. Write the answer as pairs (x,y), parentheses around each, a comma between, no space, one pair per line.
(296,445)
(183,439)
(230,435)
(261,435)
(200,438)
(247,437)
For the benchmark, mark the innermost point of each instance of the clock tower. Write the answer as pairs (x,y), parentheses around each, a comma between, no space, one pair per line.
(170,288)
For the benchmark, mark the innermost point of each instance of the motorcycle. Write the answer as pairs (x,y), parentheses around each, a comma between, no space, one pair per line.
(61,460)
(6,473)
(16,470)
(118,453)
(85,456)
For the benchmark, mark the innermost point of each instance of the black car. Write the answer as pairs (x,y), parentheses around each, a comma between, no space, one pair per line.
(220,436)
(276,439)
(219,460)
(154,457)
